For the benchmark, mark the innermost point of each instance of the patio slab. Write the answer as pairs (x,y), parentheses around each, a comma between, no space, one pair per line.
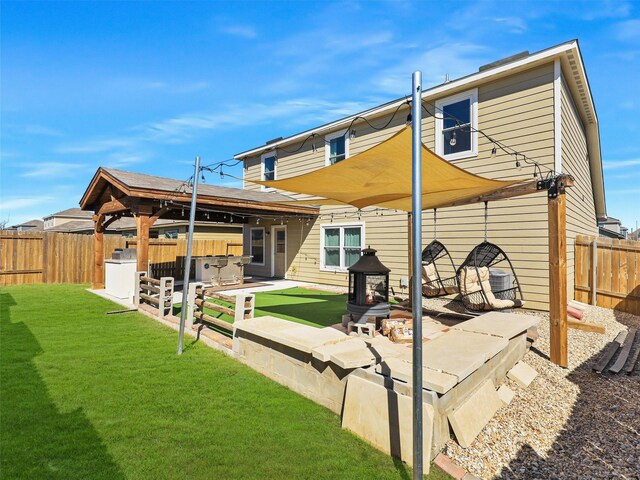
(402,370)
(474,413)
(460,353)
(299,337)
(350,344)
(504,325)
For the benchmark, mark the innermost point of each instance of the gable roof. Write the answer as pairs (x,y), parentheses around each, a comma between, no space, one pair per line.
(162,188)
(574,72)
(34,224)
(71,212)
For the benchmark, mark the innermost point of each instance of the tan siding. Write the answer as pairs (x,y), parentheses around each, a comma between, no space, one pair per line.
(581,216)
(517,111)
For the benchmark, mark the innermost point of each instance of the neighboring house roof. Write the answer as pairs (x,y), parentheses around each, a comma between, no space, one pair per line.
(576,78)
(605,232)
(635,235)
(610,220)
(71,212)
(34,224)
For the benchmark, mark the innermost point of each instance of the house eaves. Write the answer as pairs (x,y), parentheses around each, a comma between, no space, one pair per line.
(575,74)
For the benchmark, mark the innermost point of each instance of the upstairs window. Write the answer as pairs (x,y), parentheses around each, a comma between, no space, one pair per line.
(456,125)
(336,147)
(269,164)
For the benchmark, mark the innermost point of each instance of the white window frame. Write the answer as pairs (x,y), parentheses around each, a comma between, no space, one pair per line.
(471,95)
(264,245)
(327,143)
(340,226)
(263,157)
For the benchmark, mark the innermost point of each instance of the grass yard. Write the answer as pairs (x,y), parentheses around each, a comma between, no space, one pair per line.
(85,395)
(301,305)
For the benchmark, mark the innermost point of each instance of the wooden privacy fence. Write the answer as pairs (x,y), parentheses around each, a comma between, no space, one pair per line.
(607,273)
(167,256)
(51,257)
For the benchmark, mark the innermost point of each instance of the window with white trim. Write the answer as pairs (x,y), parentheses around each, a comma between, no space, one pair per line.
(269,163)
(340,245)
(456,125)
(336,147)
(256,245)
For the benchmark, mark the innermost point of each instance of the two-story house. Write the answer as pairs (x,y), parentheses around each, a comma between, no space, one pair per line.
(537,104)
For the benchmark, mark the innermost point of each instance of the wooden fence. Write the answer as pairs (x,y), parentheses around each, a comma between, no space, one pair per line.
(50,257)
(616,277)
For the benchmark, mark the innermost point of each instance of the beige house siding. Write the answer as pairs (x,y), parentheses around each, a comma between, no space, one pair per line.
(581,213)
(517,111)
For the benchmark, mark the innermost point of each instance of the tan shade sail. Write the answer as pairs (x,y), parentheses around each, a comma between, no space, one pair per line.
(381,176)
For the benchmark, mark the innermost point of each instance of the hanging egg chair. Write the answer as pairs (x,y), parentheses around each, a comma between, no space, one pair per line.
(438,271)
(487,279)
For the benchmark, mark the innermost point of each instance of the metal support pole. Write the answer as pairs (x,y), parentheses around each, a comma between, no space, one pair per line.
(187,265)
(416,284)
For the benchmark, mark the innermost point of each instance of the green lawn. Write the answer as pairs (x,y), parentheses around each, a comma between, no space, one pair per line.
(85,395)
(301,305)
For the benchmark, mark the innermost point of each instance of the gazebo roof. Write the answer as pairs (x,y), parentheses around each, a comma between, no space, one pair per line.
(113,191)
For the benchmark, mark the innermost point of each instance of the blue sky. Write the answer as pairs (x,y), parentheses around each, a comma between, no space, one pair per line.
(147,86)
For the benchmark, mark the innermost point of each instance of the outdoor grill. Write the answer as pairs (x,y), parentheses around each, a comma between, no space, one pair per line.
(368,287)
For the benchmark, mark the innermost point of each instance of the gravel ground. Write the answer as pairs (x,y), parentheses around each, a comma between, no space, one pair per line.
(569,423)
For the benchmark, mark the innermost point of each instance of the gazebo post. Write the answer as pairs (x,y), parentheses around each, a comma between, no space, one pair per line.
(557,212)
(142,241)
(98,253)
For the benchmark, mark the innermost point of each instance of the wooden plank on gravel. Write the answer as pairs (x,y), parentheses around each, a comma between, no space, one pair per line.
(634,359)
(609,352)
(624,353)
(585,326)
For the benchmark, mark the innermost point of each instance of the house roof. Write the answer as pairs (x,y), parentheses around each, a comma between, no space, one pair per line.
(71,212)
(610,220)
(125,223)
(570,58)
(153,188)
(605,232)
(35,224)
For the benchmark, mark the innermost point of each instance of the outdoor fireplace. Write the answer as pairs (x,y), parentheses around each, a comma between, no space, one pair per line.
(368,287)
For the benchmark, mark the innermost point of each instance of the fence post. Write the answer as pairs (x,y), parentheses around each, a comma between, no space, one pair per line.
(166,284)
(594,272)
(191,302)
(136,295)
(242,310)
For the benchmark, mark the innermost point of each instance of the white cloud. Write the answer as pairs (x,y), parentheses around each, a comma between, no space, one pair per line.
(620,164)
(512,24)
(455,59)
(20,203)
(96,145)
(53,170)
(243,31)
(628,30)
(42,130)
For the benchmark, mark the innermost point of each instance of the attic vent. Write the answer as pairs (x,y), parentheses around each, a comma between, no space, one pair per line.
(269,142)
(504,61)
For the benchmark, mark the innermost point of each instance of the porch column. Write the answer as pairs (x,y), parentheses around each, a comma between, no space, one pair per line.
(142,244)
(98,253)
(557,211)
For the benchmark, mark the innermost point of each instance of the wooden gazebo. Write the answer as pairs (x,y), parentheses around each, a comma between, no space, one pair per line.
(113,194)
